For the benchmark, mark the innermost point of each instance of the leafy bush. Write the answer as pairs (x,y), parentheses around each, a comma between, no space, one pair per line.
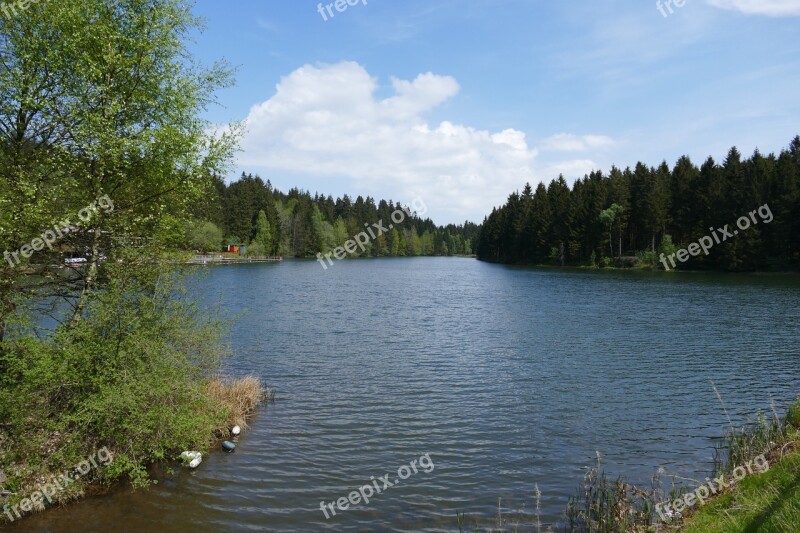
(256,249)
(206,237)
(647,257)
(132,375)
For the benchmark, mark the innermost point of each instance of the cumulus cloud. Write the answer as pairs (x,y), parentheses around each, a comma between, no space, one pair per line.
(565,142)
(773,8)
(326,122)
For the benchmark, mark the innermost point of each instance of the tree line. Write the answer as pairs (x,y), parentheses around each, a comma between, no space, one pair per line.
(629,217)
(251,212)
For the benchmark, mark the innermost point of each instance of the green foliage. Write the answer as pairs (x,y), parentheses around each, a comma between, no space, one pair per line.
(115,111)
(256,249)
(264,237)
(637,209)
(768,501)
(302,226)
(131,375)
(171,233)
(765,502)
(647,257)
(608,217)
(667,246)
(206,237)
(793,416)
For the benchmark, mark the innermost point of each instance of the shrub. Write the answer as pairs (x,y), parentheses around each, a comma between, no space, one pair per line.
(256,249)
(206,237)
(647,257)
(132,375)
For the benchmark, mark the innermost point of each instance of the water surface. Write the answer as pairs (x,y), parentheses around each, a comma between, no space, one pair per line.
(507,377)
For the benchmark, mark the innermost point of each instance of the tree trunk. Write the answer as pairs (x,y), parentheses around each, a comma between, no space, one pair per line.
(88,279)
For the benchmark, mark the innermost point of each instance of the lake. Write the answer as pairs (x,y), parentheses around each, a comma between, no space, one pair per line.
(506,377)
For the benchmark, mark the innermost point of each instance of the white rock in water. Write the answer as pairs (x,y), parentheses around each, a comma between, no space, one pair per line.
(196,462)
(236,430)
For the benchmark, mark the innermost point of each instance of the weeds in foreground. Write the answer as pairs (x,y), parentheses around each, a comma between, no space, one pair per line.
(239,398)
(509,522)
(605,506)
(771,437)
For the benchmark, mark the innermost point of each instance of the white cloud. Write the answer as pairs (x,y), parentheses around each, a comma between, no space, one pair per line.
(773,8)
(325,122)
(565,142)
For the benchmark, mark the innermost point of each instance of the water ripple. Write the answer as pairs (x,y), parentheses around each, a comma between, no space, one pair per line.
(507,377)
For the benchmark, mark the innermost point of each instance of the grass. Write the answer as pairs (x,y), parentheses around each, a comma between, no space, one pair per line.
(766,502)
(239,399)
(769,502)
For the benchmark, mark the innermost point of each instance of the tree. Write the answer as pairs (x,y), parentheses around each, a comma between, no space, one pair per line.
(620,193)
(677,206)
(608,218)
(264,237)
(103,99)
(542,219)
(113,111)
(206,237)
(414,243)
(324,230)
(381,247)
(558,194)
(171,233)
(657,202)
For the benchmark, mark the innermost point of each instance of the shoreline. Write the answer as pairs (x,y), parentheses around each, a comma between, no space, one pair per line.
(43,491)
(637,269)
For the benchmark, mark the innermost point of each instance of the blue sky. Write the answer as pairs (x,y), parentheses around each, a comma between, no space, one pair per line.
(461,102)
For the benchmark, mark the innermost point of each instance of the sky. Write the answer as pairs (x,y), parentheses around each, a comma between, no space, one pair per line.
(459,103)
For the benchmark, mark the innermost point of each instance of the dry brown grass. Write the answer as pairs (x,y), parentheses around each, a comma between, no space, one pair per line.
(240,397)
